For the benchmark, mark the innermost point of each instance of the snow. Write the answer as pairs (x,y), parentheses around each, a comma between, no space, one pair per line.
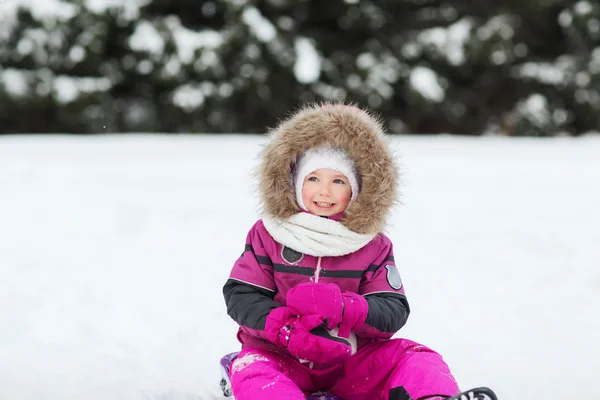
(366,61)
(77,54)
(114,249)
(15,81)
(499,24)
(381,73)
(594,64)
(60,10)
(130,8)
(242,362)
(583,7)
(25,45)
(565,19)
(307,68)
(147,38)
(535,108)
(188,41)
(583,79)
(544,72)
(188,97)
(260,27)
(68,89)
(425,81)
(33,39)
(449,41)
(593,26)
(40,9)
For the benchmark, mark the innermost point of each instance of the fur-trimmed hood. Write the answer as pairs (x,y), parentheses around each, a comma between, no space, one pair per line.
(360,134)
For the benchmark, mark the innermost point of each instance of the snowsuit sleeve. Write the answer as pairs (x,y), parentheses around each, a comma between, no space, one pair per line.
(382,287)
(250,289)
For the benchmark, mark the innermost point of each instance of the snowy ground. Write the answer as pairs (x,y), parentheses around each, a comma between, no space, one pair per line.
(113,251)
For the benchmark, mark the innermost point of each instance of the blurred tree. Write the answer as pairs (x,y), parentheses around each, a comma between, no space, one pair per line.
(514,67)
(529,69)
(60,68)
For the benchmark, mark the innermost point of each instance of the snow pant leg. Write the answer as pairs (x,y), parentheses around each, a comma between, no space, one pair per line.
(422,372)
(380,366)
(260,374)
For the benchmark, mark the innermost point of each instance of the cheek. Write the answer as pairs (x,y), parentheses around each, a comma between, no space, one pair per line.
(344,194)
(307,194)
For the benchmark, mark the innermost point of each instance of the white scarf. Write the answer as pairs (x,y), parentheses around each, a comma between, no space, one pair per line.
(315,236)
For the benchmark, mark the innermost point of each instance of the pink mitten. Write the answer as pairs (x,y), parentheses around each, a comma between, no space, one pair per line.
(305,337)
(324,299)
(348,310)
(355,313)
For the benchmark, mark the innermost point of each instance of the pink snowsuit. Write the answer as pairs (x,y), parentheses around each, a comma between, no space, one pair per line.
(259,282)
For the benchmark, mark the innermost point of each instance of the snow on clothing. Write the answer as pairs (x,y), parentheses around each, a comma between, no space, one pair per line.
(259,296)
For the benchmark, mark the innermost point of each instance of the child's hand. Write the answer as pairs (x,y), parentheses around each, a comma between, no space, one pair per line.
(346,309)
(324,299)
(355,313)
(305,337)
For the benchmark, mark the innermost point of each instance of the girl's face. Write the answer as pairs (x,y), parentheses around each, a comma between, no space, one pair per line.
(326,192)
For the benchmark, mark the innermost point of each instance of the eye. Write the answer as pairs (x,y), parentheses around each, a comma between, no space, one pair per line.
(339,181)
(313,179)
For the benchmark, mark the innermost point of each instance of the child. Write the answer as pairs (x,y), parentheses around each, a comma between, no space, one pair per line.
(316,292)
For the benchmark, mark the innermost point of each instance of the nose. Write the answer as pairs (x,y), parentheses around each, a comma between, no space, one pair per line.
(325,189)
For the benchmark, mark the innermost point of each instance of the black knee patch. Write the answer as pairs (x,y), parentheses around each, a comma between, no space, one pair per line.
(399,393)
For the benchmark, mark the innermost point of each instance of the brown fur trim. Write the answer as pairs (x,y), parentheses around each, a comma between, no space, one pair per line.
(360,134)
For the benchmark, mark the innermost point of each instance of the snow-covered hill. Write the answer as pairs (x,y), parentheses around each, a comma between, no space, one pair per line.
(113,251)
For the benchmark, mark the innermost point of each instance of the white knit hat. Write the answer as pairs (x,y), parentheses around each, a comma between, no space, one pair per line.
(324,157)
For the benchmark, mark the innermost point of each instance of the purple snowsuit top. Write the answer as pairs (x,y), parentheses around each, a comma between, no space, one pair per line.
(272,269)
(259,282)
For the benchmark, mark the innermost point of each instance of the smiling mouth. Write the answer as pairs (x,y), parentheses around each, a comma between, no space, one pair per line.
(324,204)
